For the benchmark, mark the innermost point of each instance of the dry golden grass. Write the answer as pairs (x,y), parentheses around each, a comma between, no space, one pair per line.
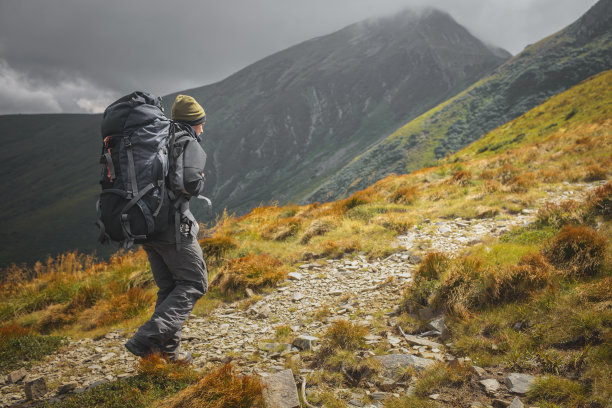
(318,227)
(282,229)
(462,177)
(599,201)
(404,195)
(221,388)
(156,366)
(251,271)
(215,248)
(345,335)
(432,266)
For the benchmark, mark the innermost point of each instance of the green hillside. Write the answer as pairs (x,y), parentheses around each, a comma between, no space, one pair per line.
(543,69)
(535,300)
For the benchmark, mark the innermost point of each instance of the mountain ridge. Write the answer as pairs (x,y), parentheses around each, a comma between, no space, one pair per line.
(543,69)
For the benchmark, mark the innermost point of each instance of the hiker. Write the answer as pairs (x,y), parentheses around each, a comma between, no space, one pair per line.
(176,258)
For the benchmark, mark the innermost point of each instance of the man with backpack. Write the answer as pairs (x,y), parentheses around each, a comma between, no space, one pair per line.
(178,268)
(152,167)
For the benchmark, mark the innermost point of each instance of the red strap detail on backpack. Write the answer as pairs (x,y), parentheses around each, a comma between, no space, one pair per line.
(107,141)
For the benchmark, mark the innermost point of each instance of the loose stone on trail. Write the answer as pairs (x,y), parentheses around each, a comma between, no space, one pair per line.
(280,390)
(519,383)
(491,385)
(16,376)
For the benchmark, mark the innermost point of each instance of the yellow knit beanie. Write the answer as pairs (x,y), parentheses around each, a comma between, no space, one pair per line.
(186,109)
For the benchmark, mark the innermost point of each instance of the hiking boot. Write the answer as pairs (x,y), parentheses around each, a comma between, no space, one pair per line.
(182,357)
(137,348)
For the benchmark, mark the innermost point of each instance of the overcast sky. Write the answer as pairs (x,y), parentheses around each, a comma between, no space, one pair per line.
(80,55)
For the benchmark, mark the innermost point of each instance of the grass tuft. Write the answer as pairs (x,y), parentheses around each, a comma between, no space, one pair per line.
(221,388)
(216,247)
(559,391)
(345,335)
(578,250)
(250,271)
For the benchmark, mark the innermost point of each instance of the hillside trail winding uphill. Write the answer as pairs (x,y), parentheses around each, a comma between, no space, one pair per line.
(315,295)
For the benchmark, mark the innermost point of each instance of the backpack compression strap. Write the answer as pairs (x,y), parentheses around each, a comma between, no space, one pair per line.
(132,183)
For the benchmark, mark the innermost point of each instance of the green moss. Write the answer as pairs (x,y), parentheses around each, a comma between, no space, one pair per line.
(139,391)
(23,350)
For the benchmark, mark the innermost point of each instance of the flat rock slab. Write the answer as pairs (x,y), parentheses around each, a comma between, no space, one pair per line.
(419,341)
(35,388)
(295,276)
(394,364)
(305,342)
(280,390)
(519,383)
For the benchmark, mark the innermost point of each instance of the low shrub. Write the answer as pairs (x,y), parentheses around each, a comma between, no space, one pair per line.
(506,173)
(397,222)
(469,285)
(558,215)
(516,282)
(221,388)
(578,250)
(250,271)
(462,288)
(425,281)
(86,297)
(521,183)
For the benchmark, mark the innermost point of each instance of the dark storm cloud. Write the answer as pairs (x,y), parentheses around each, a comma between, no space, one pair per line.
(75,55)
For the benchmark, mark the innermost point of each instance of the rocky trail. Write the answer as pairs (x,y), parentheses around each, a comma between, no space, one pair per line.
(314,295)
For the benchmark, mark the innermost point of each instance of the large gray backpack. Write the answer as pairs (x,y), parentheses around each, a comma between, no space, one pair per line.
(138,194)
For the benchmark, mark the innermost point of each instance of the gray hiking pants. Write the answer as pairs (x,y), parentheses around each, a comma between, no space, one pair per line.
(182,279)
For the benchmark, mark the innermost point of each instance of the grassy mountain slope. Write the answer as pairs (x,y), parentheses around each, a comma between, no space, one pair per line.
(284,123)
(543,69)
(526,277)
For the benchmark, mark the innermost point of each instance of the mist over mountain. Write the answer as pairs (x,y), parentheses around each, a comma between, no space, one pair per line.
(542,70)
